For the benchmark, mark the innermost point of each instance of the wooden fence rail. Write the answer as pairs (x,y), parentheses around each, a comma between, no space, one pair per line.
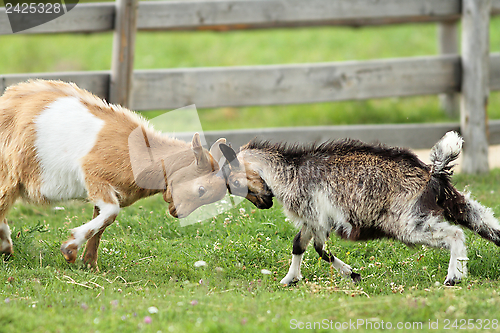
(279,84)
(290,84)
(252,14)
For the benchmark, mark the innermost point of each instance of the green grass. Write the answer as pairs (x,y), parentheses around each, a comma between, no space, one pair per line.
(147,260)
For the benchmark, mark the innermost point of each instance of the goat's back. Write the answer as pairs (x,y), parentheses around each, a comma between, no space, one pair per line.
(53,135)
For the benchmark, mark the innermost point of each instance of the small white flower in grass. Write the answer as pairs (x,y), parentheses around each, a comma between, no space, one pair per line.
(242,211)
(266,272)
(200,263)
(58,208)
(153,309)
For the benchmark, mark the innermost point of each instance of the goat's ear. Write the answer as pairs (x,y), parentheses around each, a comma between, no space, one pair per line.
(216,152)
(197,148)
(196,142)
(230,155)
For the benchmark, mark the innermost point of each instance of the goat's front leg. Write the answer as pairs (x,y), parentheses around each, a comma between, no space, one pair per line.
(107,215)
(300,243)
(344,269)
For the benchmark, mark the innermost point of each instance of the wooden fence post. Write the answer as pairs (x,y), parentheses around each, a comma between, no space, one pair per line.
(475,81)
(122,64)
(448,44)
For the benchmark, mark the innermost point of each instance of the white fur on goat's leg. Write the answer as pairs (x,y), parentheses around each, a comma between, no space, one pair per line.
(344,269)
(293,274)
(79,235)
(300,242)
(341,267)
(457,268)
(434,232)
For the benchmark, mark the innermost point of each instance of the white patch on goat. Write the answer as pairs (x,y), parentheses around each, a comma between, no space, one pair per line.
(329,216)
(65,132)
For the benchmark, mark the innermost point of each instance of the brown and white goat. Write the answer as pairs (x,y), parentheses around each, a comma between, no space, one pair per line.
(59,142)
(360,192)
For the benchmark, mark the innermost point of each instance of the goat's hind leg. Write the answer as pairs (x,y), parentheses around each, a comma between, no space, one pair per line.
(431,230)
(344,269)
(300,243)
(90,253)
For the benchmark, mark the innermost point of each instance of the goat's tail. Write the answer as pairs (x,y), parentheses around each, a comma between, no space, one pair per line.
(444,152)
(459,207)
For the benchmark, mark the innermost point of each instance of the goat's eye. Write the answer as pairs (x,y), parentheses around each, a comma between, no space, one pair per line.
(236,183)
(201,191)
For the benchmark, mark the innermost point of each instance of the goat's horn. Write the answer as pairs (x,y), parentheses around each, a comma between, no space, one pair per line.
(230,155)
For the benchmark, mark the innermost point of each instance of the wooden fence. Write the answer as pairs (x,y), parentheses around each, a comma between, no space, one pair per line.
(473,73)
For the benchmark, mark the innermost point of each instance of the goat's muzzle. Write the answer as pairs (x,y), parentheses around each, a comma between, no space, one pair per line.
(173,211)
(167,196)
(262,200)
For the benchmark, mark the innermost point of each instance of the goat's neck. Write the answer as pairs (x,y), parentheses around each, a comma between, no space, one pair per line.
(272,168)
(171,154)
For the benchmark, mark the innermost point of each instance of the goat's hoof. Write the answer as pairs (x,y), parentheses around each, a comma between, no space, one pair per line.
(355,277)
(451,282)
(69,252)
(93,268)
(290,282)
(7,251)
(7,255)
(91,263)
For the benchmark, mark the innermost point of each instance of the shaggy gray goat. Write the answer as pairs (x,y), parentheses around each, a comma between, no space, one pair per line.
(361,192)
